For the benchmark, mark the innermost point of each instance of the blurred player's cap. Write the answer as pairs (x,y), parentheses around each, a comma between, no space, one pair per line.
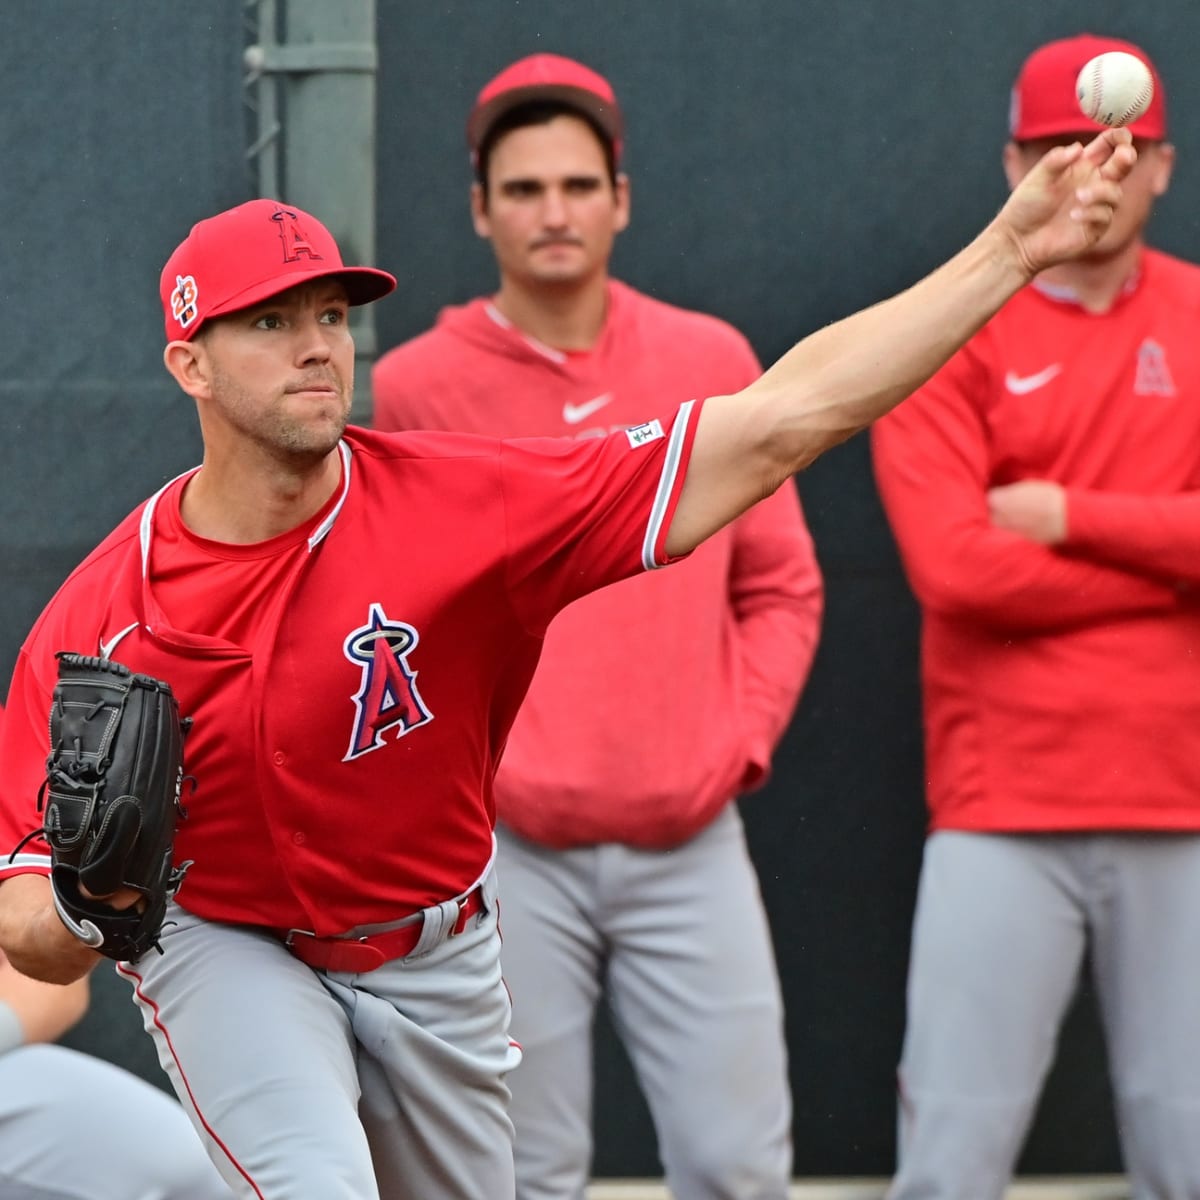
(245,255)
(1043,98)
(546,77)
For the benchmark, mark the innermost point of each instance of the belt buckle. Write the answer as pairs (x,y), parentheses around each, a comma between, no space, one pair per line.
(334,940)
(460,922)
(342,940)
(352,954)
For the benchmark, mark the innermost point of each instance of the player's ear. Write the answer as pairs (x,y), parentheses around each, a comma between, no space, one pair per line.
(479,214)
(1164,166)
(621,193)
(1015,166)
(186,362)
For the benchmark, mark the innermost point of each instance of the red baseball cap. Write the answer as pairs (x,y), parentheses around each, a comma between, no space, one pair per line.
(1043,98)
(547,77)
(246,254)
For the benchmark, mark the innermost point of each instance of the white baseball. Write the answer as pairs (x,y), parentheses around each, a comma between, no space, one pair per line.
(1114,88)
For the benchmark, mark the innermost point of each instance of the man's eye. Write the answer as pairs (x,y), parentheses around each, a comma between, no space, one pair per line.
(333,316)
(269,321)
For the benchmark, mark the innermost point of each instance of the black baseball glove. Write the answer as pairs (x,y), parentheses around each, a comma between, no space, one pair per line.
(111,800)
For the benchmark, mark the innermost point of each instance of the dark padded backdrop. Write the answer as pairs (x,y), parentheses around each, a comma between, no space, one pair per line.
(791,162)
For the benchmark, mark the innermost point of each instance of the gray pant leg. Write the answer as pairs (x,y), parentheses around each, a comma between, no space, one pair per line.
(263,1059)
(433,1033)
(73,1127)
(696,997)
(1147,965)
(998,938)
(552,959)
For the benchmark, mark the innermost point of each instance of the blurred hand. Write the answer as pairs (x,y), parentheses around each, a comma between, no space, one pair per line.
(122,898)
(1034,508)
(1064,205)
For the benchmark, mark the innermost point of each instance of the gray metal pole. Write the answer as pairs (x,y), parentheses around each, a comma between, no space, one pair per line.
(326,60)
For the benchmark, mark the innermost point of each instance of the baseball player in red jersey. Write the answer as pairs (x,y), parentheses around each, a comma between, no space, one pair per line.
(73,1125)
(1042,487)
(351,619)
(656,701)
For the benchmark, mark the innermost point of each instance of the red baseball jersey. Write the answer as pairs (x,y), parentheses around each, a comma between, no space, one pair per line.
(347,724)
(1060,684)
(658,700)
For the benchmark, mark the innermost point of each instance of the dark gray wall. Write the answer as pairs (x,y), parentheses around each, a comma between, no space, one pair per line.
(118,131)
(791,161)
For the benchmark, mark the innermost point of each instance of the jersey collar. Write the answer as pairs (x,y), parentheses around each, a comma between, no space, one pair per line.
(146,526)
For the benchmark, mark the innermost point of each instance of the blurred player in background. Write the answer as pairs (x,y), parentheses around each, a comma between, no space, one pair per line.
(656,702)
(1044,489)
(76,1126)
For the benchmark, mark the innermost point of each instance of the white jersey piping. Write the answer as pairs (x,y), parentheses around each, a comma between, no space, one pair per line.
(326,525)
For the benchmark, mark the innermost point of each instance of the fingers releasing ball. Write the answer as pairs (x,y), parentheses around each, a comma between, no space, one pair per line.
(1114,88)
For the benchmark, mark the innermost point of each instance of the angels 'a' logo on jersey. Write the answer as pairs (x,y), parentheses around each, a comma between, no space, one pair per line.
(1153,374)
(388,696)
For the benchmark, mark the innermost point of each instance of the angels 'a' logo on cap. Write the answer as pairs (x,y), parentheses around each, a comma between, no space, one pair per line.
(183,300)
(295,242)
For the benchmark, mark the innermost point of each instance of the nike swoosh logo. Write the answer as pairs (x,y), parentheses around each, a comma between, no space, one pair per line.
(1021,385)
(106,648)
(574,413)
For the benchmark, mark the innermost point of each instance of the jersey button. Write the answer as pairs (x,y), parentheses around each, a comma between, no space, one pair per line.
(299,839)
(279,758)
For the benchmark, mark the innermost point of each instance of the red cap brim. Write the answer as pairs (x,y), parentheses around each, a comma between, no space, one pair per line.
(363,285)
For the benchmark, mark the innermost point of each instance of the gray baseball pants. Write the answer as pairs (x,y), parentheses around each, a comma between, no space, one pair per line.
(73,1127)
(328,1085)
(678,942)
(1001,927)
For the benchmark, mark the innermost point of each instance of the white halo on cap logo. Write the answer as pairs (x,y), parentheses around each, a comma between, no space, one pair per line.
(183,300)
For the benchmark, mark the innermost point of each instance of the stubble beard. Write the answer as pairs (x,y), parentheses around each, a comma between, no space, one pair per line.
(282,435)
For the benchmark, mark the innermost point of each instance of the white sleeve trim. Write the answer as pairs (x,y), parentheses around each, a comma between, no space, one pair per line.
(666,485)
(24,862)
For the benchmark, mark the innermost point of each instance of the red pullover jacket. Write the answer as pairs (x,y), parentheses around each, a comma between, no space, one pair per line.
(1061,685)
(656,701)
